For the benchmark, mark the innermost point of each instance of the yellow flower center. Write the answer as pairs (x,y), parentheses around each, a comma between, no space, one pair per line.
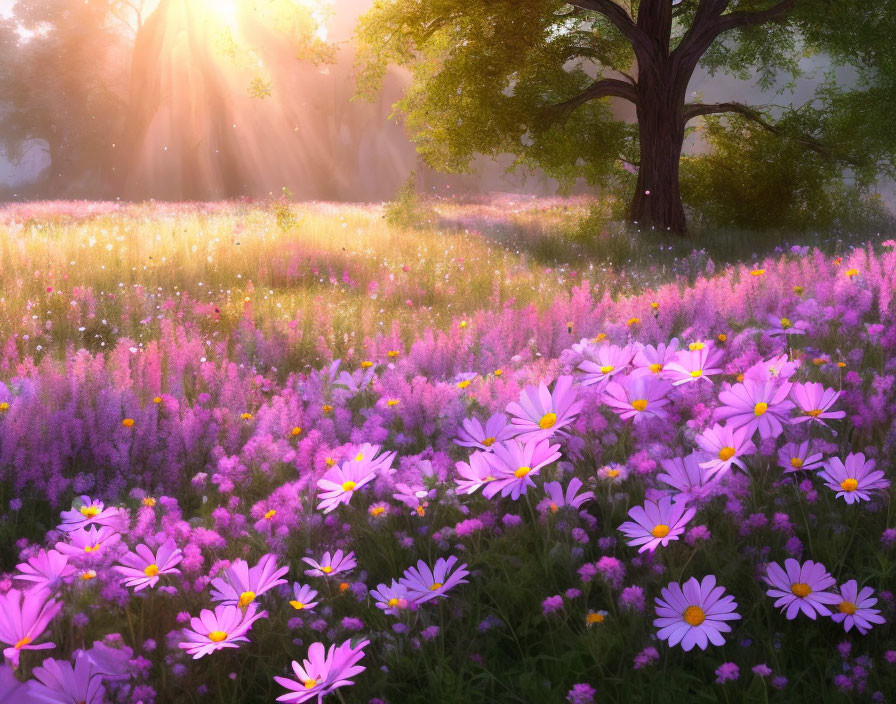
(639,404)
(522,472)
(554,507)
(270,514)
(760,408)
(327,408)
(695,346)
(329,461)
(437,585)
(366,364)
(127,422)
(796,462)
(91,548)
(246,598)
(377,510)
(89,511)
(656,368)
(326,570)
(607,368)
(217,636)
(88,574)
(392,353)
(785,323)
(612,473)
(392,402)
(4,406)
(846,607)
(547,421)
(463,384)
(149,501)
(814,413)
(348,485)
(488,442)
(22,643)
(697,373)
(157,399)
(694,615)
(421,510)
(722,337)
(660,530)
(310,684)
(757,272)
(297,605)
(246,416)
(499,372)
(633,321)
(852,272)
(798,290)
(801,589)
(726,453)
(593,618)
(849,484)
(295,431)
(151,570)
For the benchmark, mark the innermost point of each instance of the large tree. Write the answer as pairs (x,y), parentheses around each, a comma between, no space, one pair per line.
(536,79)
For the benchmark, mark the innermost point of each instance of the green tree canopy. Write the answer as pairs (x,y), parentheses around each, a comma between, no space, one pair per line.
(535,79)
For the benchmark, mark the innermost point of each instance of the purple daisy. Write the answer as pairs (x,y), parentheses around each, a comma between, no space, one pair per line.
(799,587)
(474,474)
(556,498)
(686,475)
(699,362)
(424,584)
(694,613)
(854,608)
(60,683)
(853,479)
(756,405)
(303,597)
(609,360)
(653,360)
(86,512)
(340,483)
(795,457)
(392,599)
(24,616)
(657,523)
(473,434)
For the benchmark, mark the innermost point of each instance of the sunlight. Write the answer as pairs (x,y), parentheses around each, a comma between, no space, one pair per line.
(225,11)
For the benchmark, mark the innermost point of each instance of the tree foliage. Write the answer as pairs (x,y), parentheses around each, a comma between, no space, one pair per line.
(536,79)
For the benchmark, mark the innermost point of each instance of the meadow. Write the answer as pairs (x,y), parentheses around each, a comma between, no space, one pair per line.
(441,451)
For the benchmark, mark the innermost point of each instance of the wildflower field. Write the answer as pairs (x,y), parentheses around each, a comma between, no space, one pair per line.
(482,452)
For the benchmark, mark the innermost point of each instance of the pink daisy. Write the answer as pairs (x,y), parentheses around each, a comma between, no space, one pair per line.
(515,463)
(699,362)
(142,569)
(24,616)
(725,447)
(541,413)
(330,565)
(48,570)
(474,475)
(322,671)
(638,397)
(815,401)
(474,434)
(224,627)
(653,360)
(609,360)
(794,457)
(688,477)
(340,483)
(85,512)
(242,584)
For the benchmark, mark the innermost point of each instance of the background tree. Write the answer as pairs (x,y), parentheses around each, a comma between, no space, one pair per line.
(535,78)
(62,84)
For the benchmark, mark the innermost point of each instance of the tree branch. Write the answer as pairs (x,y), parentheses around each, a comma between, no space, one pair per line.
(738,19)
(811,143)
(618,16)
(604,88)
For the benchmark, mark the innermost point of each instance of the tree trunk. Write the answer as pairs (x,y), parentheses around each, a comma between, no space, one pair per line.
(657,200)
